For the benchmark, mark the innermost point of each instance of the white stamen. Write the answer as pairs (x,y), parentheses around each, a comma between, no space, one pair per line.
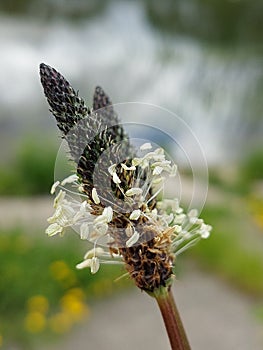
(133,191)
(82,212)
(135,214)
(193,213)
(70,179)
(179,210)
(164,164)
(81,188)
(146,146)
(54,229)
(169,218)
(101,228)
(116,178)
(205,234)
(157,155)
(137,161)
(157,180)
(95,265)
(134,238)
(83,264)
(129,231)
(95,196)
(157,170)
(59,198)
(56,215)
(83,207)
(153,214)
(125,167)
(199,221)
(193,220)
(112,169)
(177,228)
(54,186)
(159,151)
(94,252)
(173,170)
(179,219)
(108,213)
(64,215)
(84,230)
(205,231)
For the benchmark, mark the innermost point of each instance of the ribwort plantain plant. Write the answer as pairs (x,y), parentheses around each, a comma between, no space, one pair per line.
(118,186)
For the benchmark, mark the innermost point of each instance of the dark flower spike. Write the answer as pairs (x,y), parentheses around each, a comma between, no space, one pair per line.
(67,107)
(103,106)
(87,133)
(101,99)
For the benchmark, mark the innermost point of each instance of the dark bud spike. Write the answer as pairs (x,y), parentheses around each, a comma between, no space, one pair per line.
(89,135)
(67,107)
(100,99)
(104,108)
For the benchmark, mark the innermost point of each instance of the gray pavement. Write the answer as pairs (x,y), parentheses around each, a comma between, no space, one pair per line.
(29,212)
(215,316)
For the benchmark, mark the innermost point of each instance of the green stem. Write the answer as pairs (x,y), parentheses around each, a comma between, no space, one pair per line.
(172,320)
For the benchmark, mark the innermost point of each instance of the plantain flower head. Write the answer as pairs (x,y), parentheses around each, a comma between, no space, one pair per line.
(113,198)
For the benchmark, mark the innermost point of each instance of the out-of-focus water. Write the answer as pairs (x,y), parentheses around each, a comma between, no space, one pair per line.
(216,91)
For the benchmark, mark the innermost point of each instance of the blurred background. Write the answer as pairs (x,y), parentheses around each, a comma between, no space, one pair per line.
(202,60)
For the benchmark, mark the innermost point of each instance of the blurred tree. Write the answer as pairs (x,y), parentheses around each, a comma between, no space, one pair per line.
(210,20)
(53,8)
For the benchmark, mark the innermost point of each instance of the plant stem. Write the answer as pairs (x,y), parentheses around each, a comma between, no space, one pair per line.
(172,320)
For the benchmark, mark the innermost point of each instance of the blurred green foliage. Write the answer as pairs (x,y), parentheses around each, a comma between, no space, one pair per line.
(16,6)
(42,295)
(228,180)
(240,177)
(31,172)
(221,21)
(259,313)
(231,251)
(251,167)
(49,9)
